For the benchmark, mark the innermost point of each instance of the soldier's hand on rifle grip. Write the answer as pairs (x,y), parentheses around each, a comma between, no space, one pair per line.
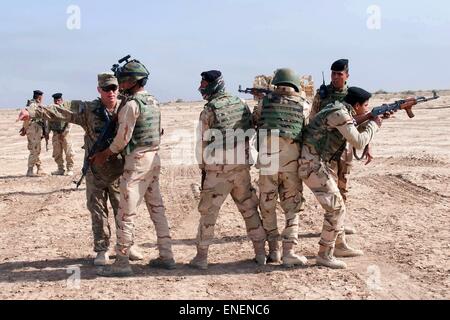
(389,114)
(378,120)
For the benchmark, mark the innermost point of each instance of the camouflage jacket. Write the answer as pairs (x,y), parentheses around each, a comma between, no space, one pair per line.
(88,116)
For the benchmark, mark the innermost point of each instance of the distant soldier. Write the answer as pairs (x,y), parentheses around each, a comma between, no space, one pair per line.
(138,139)
(287,111)
(323,140)
(35,130)
(224,114)
(102,182)
(61,141)
(336,91)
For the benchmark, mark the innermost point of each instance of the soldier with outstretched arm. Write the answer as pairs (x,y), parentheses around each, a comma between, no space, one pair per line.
(102,182)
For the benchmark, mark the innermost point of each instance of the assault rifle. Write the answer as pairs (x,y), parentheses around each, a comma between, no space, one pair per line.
(203,178)
(255,91)
(405,104)
(46,133)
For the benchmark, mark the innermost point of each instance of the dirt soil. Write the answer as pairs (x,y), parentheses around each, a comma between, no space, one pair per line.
(399,204)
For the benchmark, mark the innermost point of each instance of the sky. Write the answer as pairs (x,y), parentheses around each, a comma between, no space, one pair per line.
(402,45)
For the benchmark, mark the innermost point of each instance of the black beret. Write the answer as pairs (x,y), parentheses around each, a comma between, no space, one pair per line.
(357,95)
(38,93)
(57,96)
(211,76)
(340,65)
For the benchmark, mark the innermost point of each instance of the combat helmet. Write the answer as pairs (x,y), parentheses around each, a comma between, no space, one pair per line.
(132,70)
(286,77)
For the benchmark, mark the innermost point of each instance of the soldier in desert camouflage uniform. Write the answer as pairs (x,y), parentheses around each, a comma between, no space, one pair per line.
(323,140)
(61,142)
(34,130)
(223,114)
(138,138)
(287,111)
(336,91)
(102,182)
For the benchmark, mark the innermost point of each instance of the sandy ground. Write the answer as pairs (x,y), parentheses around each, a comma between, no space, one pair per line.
(399,204)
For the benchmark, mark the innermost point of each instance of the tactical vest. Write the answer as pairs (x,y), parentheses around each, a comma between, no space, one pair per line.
(230,114)
(333,96)
(328,143)
(113,168)
(99,120)
(283,113)
(147,132)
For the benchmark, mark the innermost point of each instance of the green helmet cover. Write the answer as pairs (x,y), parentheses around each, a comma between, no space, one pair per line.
(286,77)
(132,71)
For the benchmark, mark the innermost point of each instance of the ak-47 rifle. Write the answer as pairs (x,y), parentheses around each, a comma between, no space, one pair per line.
(255,91)
(203,178)
(46,133)
(405,104)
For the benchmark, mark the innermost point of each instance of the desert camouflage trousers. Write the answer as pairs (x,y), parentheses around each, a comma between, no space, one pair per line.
(97,195)
(217,186)
(290,190)
(34,136)
(319,178)
(140,181)
(341,170)
(62,145)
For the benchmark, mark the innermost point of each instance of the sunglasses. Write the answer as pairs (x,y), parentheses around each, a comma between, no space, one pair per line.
(109,88)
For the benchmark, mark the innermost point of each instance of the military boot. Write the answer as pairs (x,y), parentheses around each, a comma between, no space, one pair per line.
(135,254)
(59,172)
(343,250)
(163,263)
(30,172)
(260,252)
(274,252)
(102,259)
(290,259)
(201,259)
(326,258)
(120,268)
(40,172)
(69,172)
(349,230)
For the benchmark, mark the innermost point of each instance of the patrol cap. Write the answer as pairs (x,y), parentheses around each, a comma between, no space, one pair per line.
(340,65)
(57,96)
(37,93)
(357,95)
(107,79)
(211,76)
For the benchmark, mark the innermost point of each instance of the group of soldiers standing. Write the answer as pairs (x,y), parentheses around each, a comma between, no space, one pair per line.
(310,145)
(38,129)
